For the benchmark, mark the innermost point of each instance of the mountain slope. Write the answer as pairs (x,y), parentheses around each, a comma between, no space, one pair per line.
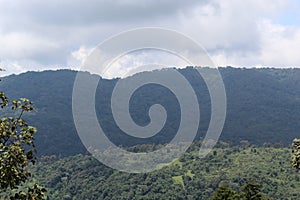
(263,106)
(83,177)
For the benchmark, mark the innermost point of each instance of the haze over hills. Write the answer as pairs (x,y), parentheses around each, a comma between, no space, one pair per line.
(263,106)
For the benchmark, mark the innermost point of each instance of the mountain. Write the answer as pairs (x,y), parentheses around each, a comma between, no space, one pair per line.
(263,106)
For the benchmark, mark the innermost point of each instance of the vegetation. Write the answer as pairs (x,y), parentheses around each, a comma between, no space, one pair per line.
(296,154)
(249,191)
(243,172)
(224,192)
(250,163)
(17,150)
(263,107)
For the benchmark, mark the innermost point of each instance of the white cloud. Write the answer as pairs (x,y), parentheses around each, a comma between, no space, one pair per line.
(21,66)
(143,60)
(280,45)
(81,54)
(53,34)
(25,46)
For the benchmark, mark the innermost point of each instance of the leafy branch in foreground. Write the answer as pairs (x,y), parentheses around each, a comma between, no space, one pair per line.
(17,150)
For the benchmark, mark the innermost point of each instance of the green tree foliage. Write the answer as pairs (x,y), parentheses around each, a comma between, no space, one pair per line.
(296,154)
(225,193)
(17,151)
(252,191)
(260,107)
(83,177)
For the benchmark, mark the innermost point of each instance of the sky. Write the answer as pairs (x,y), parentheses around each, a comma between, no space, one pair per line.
(59,34)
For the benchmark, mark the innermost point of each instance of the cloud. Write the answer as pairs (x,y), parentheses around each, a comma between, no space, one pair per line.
(51,34)
(143,60)
(229,25)
(78,12)
(21,66)
(26,46)
(82,53)
(280,45)
(244,33)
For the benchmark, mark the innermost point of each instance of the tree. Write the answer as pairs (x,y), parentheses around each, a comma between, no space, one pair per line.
(252,191)
(296,154)
(17,150)
(225,193)
(249,191)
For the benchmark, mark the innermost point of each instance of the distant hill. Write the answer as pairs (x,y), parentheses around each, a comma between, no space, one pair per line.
(263,106)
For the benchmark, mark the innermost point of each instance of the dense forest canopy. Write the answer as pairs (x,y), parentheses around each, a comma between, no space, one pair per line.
(249,162)
(189,177)
(263,106)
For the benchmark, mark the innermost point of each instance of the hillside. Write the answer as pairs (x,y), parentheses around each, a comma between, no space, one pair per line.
(83,177)
(263,106)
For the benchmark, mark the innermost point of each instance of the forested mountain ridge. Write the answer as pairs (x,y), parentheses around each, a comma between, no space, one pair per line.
(263,106)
